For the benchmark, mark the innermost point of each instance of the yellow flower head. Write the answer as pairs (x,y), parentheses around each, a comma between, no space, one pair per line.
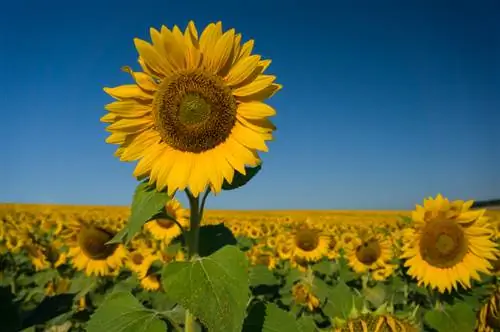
(449,244)
(195,112)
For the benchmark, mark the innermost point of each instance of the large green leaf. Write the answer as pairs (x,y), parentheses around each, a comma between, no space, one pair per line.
(341,300)
(457,318)
(146,204)
(239,180)
(122,312)
(215,289)
(375,295)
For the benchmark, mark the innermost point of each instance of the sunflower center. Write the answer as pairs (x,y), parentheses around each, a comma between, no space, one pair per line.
(307,239)
(194,111)
(92,242)
(368,252)
(137,258)
(443,243)
(165,223)
(263,259)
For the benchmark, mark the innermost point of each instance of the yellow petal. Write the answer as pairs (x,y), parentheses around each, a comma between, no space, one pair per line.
(152,58)
(246,49)
(198,179)
(255,110)
(130,125)
(144,165)
(109,118)
(248,137)
(179,174)
(192,32)
(128,108)
(128,91)
(209,37)
(261,95)
(116,138)
(139,144)
(213,172)
(242,70)
(261,83)
(232,156)
(262,126)
(161,167)
(143,80)
(218,57)
(174,49)
(237,47)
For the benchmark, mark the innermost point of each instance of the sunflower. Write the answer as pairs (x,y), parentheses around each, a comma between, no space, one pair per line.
(165,229)
(303,295)
(139,261)
(333,247)
(383,319)
(449,245)
(150,283)
(489,315)
(371,253)
(347,240)
(37,257)
(195,113)
(310,244)
(376,323)
(259,255)
(91,253)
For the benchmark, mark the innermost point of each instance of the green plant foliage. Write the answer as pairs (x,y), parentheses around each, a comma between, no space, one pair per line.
(221,277)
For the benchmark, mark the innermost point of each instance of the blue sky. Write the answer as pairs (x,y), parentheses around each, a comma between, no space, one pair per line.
(383,103)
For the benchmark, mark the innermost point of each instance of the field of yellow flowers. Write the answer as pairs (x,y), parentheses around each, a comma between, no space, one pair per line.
(329,270)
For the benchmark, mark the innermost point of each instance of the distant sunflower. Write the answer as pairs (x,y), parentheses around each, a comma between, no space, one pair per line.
(449,245)
(150,283)
(91,254)
(348,240)
(489,315)
(302,294)
(195,113)
(310,244)
(165,229)
(37,256)
(376,323)
(139,261)
(259,255)
(371,253)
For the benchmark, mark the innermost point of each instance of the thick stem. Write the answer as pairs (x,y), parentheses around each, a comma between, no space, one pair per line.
(193,245)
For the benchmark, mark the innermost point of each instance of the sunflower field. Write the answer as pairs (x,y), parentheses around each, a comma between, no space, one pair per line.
(195,119)
(307,271)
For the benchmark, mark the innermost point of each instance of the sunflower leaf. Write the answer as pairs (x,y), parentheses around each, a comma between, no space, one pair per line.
(341,300)
(122,312)
(215,289)
(239,180)
(146,204)
(459,317)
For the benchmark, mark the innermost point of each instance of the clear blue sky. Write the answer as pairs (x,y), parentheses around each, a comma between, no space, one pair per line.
(383,103)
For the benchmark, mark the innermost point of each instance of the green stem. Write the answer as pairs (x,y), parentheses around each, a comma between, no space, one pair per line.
(193,245)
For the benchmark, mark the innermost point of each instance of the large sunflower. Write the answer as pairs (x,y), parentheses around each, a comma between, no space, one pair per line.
(195,113)
(449,244)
